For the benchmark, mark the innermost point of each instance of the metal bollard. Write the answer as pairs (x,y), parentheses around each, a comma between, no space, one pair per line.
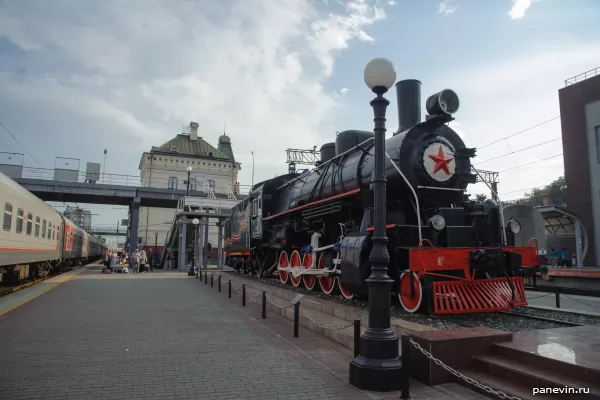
(244,295)
(211,280)
(230,288)
(205,278)
(296,318)
(264,305)
(219,281)
(356,337)
(557,294)
(404,395)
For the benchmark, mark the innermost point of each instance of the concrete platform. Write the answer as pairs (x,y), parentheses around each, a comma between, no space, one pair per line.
(165,336)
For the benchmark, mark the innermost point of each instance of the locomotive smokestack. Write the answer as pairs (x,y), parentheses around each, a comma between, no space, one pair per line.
(408,93)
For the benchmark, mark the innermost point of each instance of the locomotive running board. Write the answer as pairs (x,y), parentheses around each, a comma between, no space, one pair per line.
(486,295)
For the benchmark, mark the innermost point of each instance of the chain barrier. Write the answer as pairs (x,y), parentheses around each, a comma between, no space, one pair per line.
(539,297)
(579,301)
(278,306)
(331,328)
(454,372)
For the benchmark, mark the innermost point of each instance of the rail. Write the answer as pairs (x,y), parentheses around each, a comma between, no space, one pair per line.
(123,180)
(582,77)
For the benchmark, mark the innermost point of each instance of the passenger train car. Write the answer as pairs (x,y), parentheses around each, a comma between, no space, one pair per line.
(35,238)
(447,253)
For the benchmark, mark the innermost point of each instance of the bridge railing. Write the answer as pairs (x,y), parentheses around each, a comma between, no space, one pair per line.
(106,229)
(120,180)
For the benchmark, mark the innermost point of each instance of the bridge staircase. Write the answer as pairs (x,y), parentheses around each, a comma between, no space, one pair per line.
(207,206)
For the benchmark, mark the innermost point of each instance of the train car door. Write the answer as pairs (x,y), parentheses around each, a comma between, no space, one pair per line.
(256,220)
(61,239)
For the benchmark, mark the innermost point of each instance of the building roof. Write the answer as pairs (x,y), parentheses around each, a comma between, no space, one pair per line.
(186,146)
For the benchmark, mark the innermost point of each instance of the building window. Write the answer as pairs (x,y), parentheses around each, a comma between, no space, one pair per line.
(211,184)
(37,226)
(597,131)
(29,224)
(20,216)
(172,182)
(174,149)
(210,154)
(193,180)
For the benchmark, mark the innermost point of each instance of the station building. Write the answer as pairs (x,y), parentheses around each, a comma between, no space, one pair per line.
(580,123)
(214,170)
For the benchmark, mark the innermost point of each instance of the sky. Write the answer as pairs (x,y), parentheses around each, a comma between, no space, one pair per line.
(81,76)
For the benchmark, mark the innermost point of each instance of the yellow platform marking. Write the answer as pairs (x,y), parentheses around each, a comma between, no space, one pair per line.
(55,281)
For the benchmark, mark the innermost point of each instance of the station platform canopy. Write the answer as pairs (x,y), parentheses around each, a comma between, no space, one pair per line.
(559,222)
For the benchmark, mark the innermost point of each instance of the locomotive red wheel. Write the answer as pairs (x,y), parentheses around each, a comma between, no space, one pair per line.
(345,292)
(327,283)
(295,262)
(283,263)
(310,281)
(410,304)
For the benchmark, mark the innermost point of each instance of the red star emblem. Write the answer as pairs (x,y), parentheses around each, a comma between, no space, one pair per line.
(441,162)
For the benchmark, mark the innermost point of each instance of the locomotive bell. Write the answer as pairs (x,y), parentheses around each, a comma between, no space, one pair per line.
(444,102)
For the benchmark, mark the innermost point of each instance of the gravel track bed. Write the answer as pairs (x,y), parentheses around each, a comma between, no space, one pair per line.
(509,323)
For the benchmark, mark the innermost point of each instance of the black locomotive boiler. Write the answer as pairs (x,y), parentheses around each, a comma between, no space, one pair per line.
(449,254)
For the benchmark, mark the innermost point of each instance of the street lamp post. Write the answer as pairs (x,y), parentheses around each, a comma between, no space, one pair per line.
(378,366)
(189,171)
(155,241)
(104,166)
(192,270)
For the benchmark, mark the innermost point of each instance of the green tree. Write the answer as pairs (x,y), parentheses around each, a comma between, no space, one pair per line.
(480,198)
(555,189)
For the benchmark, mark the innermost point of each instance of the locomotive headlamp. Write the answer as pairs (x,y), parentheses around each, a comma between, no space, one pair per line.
(380,72)
(443,103)
(437,222)
(514,226)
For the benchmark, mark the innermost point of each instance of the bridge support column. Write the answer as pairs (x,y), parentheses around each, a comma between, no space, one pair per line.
(182,251)
(578,244)
(134,212)
(220,246)
(205,258)
(200,244)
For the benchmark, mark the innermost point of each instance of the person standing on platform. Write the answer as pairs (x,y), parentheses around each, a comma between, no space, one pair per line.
(113,262)
(143,262)
(135,262)
(565,258)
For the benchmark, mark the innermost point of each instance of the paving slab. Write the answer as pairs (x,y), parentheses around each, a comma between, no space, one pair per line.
(165,336)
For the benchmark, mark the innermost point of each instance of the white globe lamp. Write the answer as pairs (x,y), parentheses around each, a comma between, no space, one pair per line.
(380,73)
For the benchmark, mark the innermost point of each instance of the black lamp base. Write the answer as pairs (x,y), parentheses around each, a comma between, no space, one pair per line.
(191,272)
(384,372)
(378,375)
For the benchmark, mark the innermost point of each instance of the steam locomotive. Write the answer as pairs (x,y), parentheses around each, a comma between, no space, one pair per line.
(448,254)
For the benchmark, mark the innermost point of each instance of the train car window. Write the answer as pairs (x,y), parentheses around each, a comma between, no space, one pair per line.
(29,224)
(44,229)
(49,231)
(20,216)
(53,232)
(37,227)
(7,223)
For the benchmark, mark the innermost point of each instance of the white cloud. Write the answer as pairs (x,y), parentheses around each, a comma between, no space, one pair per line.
(494,92)
(145,70)
(344,91)
(447,7)
(520,7)
(336,31)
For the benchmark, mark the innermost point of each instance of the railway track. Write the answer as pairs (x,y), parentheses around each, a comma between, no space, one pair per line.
(521,319)
(5,290)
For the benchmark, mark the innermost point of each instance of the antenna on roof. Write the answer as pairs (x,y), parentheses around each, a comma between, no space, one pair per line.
(225,127)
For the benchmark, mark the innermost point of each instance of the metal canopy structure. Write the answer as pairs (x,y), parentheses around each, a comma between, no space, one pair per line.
(560,222)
